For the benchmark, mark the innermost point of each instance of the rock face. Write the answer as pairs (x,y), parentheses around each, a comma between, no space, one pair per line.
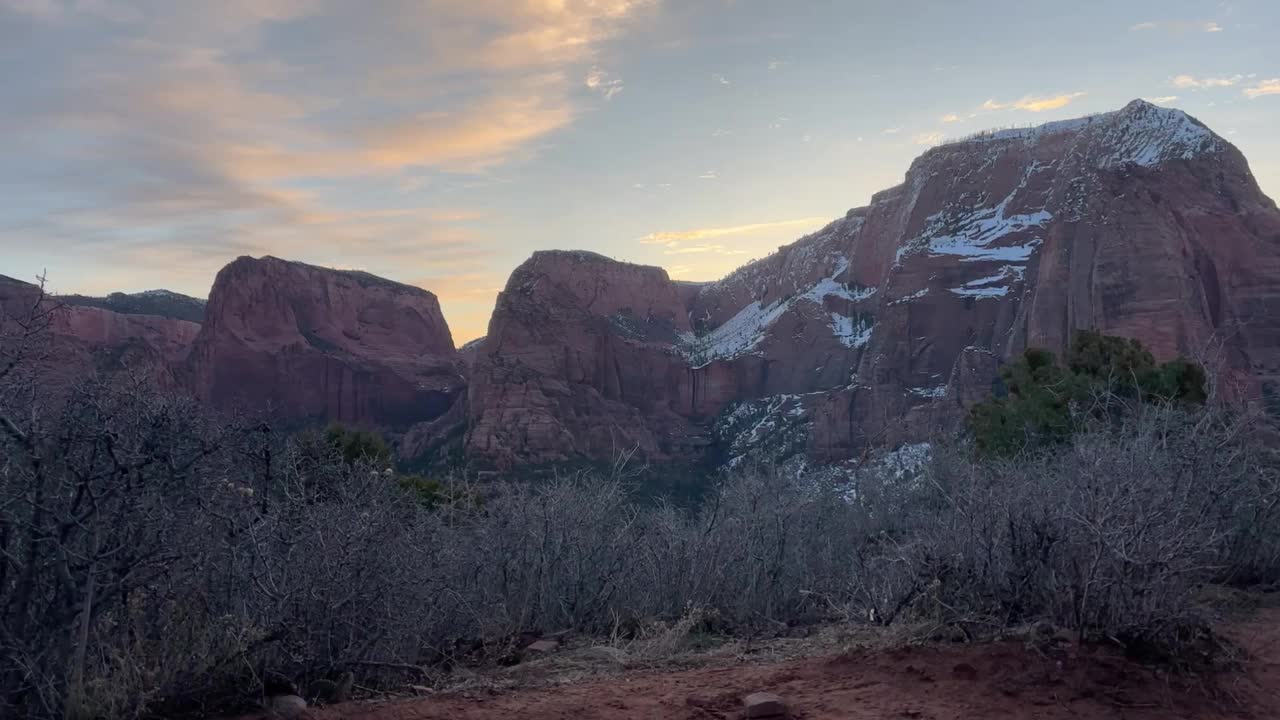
(90,338)
(310,344)
(578,363)
(1140,223)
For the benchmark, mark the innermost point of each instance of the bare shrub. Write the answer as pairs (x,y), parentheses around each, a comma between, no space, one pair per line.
(154,558)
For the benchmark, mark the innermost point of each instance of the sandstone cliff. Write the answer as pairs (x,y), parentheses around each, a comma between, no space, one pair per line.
(86,339)
(311,344)
(1140,222)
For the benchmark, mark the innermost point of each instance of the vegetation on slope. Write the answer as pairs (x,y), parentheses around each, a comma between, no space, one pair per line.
(159,560)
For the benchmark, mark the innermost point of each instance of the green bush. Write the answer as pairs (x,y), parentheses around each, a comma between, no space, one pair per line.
(1044,402)
(358,445)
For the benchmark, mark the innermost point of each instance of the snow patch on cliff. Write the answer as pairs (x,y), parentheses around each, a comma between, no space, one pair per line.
(854,332)
(743,332)
(929,392)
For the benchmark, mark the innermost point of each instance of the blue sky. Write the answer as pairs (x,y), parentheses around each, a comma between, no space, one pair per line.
(440,142)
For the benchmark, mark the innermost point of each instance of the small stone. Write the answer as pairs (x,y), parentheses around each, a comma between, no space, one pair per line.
(285,707)
(764,705)
(543,646)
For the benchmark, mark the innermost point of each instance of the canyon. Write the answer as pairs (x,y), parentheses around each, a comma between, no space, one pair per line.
(873,332)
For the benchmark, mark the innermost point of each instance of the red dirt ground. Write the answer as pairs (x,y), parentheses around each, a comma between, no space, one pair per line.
(987,682)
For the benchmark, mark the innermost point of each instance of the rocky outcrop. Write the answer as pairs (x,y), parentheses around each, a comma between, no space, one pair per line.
(160,303)
(578,363)
(1140,223)
(875,330)
(87,339)
(310,344)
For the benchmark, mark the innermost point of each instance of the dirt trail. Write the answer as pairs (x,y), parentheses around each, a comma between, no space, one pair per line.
(987,682)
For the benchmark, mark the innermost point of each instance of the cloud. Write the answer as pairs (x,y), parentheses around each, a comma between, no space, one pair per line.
(1190,82)
(1032,103)
(775,64)
(1266,87)
(159,136)
(469,139)
(675,239)
(1178,26)
(701,249)
(929,139)
(892,131)
(950,118)
(1163,99)
(708,175)
(720,79)
(603,83)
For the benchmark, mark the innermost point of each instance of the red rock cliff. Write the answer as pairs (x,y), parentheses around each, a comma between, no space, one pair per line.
(1140,222)
(308,343)
(87,339)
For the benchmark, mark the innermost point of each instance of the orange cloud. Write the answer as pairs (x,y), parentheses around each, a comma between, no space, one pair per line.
(1266,87)
(470,139)
(673,239)
(1033,103)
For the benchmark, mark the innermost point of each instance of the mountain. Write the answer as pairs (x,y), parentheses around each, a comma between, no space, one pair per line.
(314,344)
(161,303)
(88,337)
(872,331)
(1140,222)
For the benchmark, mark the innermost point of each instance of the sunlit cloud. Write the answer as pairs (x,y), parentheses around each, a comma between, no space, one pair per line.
(892,131)
(173,135)
(950,118)
(1032,103)
(708,175)
(1266,87)
(701,249)
(1163,99)
(1191,82)
(1178,26)
(928,139)
(674,238)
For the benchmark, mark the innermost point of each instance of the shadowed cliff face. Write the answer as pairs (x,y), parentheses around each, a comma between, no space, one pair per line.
(85,339)
(307,343)
(1140,223)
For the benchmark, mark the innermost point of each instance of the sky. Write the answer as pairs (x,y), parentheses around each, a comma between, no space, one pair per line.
(147,143)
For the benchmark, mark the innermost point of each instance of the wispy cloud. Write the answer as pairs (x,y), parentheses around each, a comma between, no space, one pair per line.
(1178,26)
(603,83)
(1163,99)
(928,139)
(1034,103)
(708,175)
(1266,87)
(183,134)
(775,64)
(673,239)
(950,118)
(891,131)
(720,78)
(1191,82)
